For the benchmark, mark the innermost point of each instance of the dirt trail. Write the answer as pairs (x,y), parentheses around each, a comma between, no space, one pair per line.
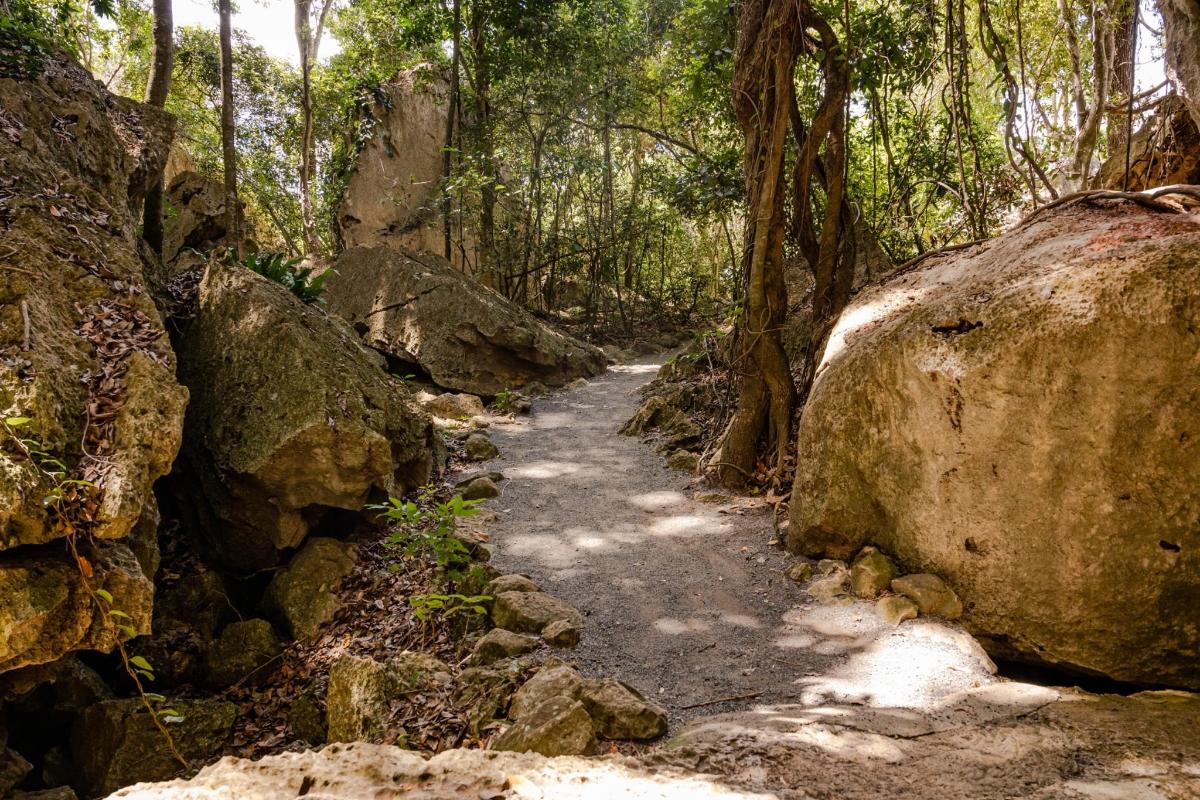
(684,599)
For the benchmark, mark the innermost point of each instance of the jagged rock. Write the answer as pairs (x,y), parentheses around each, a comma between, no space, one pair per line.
(240,650)
(479,447)
(290,417)
(620,712)
(562,633)
(306,719)
(895,608)
(361,691)
(45,611)
(800,572)
(931,594)
(115,743)
(558,727)
(1021,419)
(198,221)
(418,309)
(684,460)
(511,583)
(483,693)
(550,682)
(481,488)
(303,596)
(455,406)
(531,612)
(499,644)
(871,573)
(13,769)
(77,308)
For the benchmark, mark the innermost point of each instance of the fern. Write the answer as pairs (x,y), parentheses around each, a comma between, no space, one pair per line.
(285,271)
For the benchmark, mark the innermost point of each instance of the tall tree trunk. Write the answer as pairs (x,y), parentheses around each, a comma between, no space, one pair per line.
(1181,39)
(233,232)
(308,40)
(451,121)
(157,89)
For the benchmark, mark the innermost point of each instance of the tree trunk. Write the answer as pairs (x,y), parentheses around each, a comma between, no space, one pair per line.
(233,232)
(308,40)
(451,121)
(157,89)
(1181,40)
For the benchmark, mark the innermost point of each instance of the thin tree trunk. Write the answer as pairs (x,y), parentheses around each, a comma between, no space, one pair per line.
(157,89)
(308,40)
(233,232)
(451,121)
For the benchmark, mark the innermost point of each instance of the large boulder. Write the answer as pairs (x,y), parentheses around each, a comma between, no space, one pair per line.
(418,310)
(303,596)
(198,217)
(84,362)
(1023,420)
(290,417)
(393,194)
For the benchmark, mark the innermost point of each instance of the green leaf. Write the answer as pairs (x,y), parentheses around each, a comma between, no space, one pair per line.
(140,663)
(118,613)
(15,422)
(104,595)
(155,698)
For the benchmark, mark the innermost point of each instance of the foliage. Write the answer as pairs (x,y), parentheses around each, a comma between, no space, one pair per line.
(447,606)
(425,529)
(285,271)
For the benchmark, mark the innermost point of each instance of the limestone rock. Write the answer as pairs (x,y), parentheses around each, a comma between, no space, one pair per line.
(464,480)
(620,712)
(578,383)
(198,222)
(455,406)
(1021,419)
(361,691)
(531,612)
(550,682)
(499,644)
(558,727)
(45,611)
(13,769)
(418,309)
(479,447)
(871,573)
(302,597)
(115,743)
(684,460)
(290,417)
(562,633)
(482,488)
(484,693)
(931,594)
(511,583)
(894,609)
(240,653)
(306,719)
(57,793)
(77,331)
(800,572)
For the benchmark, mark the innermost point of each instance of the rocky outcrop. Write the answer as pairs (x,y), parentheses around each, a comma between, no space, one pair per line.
(1181,46)
(393,195)
(198,220)
(1023,420)
(290,417)
(418,310)
(85,368)
(1164,151)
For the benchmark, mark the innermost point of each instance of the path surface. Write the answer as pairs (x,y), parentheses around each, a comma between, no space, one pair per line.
(685,600)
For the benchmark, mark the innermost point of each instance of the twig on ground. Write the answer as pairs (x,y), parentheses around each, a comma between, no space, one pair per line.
(719,700)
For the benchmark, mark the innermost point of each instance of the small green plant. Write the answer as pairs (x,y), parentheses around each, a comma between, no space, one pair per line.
(448,606)
(426,528)
(286,271)
(504,401)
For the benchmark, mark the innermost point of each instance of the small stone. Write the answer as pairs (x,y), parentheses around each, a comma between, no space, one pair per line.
(931,594)
(479,447)
(578,383)
(498,644)
(871,574)
(559,727)
(894,609)
(302,597)
(827,566)
(481,489)
(511,583)
(455,406)
(800,572)
(307,720)
(562,633)
(830,587)
(483,693)
(465,480)
(548,683)
(684,460)
(620,712)
(13,769)
(362,691)
(531,612)
(535,389)
(240,653)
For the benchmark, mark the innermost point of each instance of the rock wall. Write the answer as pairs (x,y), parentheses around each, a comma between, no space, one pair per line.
(1023,419)
(290,417)
(419,310)
(83,356)
(1181,40)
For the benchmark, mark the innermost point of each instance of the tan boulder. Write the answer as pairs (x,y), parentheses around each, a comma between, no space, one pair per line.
(558,727)
(1023,419)
(417,309)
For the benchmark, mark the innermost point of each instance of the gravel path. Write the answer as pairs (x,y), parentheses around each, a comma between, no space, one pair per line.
(685,600)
